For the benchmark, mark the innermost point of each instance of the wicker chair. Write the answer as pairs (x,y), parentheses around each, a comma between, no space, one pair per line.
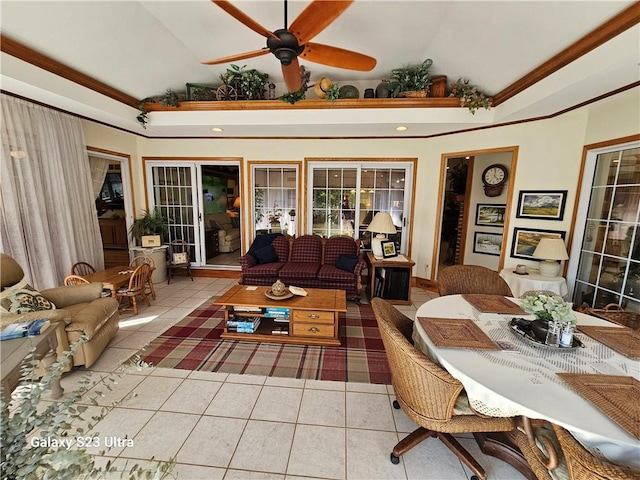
(459,279)
(139,260)
(70,280)
(179,247)
(82,269)
(428,394)
(136,288)
(552,449)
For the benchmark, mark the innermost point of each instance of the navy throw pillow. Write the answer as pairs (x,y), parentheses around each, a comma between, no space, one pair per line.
(347,262)
(266,254)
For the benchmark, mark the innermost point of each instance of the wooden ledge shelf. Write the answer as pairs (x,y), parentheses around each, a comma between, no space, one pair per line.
(446,102)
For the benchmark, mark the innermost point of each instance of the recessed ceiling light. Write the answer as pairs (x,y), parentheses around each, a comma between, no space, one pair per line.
(401,128)
(216,129)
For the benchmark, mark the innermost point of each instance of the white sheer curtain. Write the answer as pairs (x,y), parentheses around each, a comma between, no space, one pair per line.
(48,216)
(98,169)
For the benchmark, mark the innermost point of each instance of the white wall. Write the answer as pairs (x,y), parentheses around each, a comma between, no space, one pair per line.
(549,157)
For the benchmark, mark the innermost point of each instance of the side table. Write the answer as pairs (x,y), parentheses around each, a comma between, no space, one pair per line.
(520,284)
(390,278)
(14,352)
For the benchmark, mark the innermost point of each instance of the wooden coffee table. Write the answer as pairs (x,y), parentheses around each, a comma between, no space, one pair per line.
(311,320)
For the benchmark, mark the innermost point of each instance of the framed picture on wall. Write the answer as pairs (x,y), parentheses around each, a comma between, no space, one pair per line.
(487,243)
(542,204)
(490,214)
(525,241)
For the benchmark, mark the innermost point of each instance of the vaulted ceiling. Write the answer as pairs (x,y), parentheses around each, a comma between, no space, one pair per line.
(536,59)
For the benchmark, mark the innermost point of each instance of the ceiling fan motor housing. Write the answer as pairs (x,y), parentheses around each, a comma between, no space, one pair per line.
(285,47)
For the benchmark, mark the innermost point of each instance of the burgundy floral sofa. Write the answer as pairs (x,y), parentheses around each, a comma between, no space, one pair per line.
(308,261)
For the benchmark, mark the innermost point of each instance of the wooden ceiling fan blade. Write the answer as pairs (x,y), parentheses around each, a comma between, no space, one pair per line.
(239,56)
(291,75)
(338,57)
(316,17)
(243,18)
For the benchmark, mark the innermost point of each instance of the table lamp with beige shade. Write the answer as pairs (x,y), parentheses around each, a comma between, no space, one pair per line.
(551,251)
(381,224)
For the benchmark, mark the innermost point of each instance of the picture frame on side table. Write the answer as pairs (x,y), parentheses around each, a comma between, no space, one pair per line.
(490,214)
(487,243)
(525,241)
(388,249)
(542,204)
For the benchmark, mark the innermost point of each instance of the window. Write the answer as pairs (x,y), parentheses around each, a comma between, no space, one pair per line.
(275,198)
(609,265)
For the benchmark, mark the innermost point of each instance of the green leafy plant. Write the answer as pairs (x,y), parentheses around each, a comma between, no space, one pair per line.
(60,424)
(152,222)
(333,93)
(143,117)
(293,97)
(469,95)
(170,98)
(410,78)
(251,83)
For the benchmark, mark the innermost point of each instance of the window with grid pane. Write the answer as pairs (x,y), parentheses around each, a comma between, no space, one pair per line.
(275,199)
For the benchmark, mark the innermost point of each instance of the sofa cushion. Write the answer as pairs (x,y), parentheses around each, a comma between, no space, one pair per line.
(296,270)
(307,249)
(23,298)
(63,296)
(264,270)
(265,254)
(89,317)
(331,273)
(337,246)
(347,262)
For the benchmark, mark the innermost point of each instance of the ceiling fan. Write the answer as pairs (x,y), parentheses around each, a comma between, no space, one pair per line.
(289,43)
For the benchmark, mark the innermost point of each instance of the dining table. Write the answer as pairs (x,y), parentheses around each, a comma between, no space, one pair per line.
(520,378)
(112,278)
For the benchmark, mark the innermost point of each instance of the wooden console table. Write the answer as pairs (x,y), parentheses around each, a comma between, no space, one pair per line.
(312,320)
(390,278)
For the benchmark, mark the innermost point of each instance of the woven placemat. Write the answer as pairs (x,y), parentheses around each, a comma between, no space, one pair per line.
(493,304)
(622,340)
(615,395)
(456,333)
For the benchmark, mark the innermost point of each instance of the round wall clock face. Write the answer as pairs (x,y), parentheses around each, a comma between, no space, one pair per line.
(495,175)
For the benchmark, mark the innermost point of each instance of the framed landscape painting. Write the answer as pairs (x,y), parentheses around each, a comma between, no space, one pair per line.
(525,241)
(542,204)
(487,243)
(491,215)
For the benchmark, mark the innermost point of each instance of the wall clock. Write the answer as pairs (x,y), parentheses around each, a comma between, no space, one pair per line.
(494,178)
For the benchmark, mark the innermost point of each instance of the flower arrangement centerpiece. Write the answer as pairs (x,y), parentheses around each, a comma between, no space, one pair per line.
(548,307)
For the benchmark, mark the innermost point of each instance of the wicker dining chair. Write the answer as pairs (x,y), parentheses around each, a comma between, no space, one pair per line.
(136,288)
(458,279)
(70,280)
(179,258)
(428,394)
(139,260)
(82,268)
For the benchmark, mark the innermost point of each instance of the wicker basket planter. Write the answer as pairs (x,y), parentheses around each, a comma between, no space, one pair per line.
(414,94)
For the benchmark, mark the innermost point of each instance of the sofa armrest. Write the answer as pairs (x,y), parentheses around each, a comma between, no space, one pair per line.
(360,266)
(64,296)
(247,261)
(51,315)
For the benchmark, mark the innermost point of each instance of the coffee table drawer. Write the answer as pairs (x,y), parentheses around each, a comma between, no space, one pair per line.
(312,330)
(309,316)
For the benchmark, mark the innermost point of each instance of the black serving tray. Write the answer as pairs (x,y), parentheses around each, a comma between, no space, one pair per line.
(520,327)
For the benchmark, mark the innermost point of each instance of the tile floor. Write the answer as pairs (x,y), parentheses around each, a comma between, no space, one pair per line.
(251,427)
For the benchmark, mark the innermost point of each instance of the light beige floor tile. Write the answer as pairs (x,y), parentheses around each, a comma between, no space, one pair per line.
(403,423)
(192,396)
(162,436)
(249,475)
(119,423)
(277,403)
(285,382)
(111,358)
(152,392)
(369,410)
(176,313)
(191,303)
(366,387)
(264,446)
(208,376)
(368,455)
(197,472)
(234,400)
(325,385)
(248,379)
(108,394)
(432,460)
(323,407)
(135,340)
(212,441)
(170,372)
(318,451)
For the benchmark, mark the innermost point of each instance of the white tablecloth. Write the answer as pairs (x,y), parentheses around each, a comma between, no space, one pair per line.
(520,284)
(503,383)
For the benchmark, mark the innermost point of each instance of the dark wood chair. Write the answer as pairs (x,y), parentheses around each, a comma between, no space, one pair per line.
(428,394)
(459,279)
(139,260)
(82,269)
(136,288)
(179,258)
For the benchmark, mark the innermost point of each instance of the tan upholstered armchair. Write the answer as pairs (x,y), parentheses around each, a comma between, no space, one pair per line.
(81,308)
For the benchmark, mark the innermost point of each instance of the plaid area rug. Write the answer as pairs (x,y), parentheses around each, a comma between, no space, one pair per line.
(194,343)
